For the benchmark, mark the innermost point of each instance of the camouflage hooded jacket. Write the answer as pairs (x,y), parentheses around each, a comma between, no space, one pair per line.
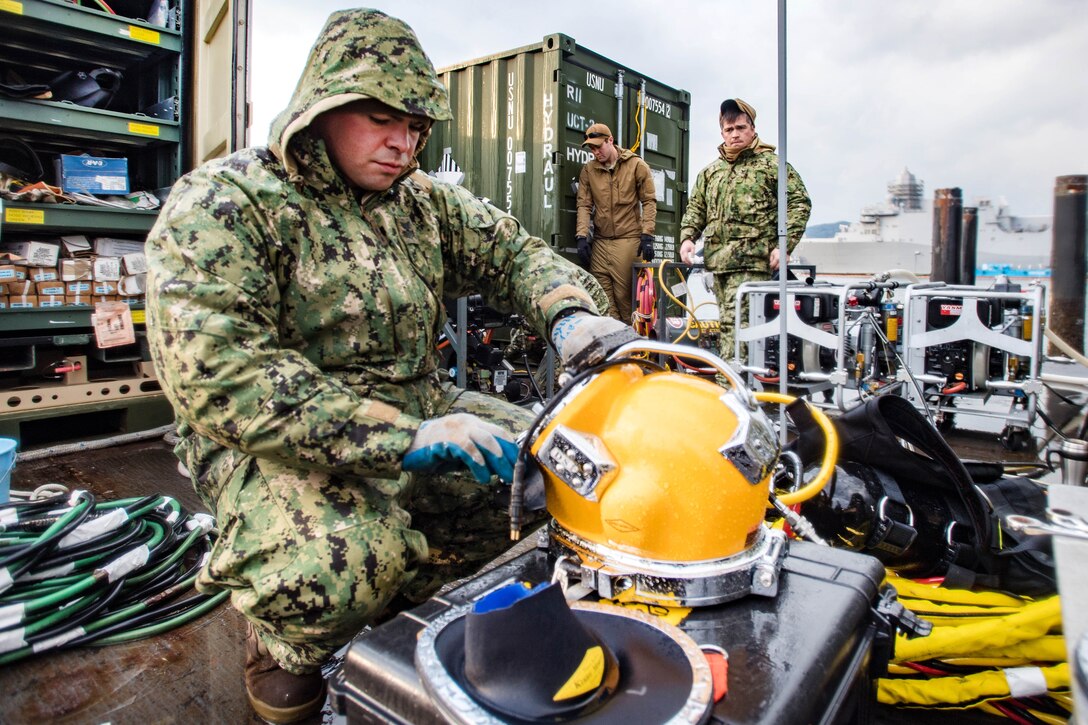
(735,207)
(293,320)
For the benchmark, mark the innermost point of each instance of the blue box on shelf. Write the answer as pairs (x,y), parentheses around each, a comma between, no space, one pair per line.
(93,174)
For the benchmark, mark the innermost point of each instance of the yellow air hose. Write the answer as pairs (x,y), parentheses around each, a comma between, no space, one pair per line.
(831,450)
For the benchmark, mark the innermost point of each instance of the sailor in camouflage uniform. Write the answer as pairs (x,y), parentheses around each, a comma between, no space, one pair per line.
(734,205)
(294,302)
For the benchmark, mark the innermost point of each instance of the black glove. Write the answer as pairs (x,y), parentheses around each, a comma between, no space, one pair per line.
(583,249)
(646,247)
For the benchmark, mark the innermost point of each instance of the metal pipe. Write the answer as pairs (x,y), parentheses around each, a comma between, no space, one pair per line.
(783,254)
(1067,263)
(1007,385)
(969,245)
(462,342)
(78,447)
(947,226)
(619,108)
(240,79)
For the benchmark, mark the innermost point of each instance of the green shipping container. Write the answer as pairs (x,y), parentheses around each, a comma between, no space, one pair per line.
(518,124)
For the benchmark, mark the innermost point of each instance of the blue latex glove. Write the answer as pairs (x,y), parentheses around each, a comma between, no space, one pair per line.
(461,440)
(583,339)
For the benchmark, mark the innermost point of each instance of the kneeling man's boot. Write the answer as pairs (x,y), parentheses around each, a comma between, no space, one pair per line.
(275,694)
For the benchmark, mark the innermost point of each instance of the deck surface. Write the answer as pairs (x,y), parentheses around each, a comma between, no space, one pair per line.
(189,675)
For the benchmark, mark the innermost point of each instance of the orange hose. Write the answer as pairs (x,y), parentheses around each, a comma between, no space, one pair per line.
(646,314)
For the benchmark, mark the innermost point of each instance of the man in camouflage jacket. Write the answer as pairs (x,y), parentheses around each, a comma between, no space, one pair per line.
(294,303)
(734,205)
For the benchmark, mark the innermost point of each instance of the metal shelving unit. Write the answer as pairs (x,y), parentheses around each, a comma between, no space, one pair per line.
(90,36)
(67,122)
(62,218)
(40,39)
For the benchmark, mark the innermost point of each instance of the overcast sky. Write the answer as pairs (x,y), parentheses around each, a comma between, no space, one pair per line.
(987,95)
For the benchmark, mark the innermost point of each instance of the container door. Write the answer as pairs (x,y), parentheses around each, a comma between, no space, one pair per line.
(503,137)
(220,78)
(656,124)
(519,120)
(645,116)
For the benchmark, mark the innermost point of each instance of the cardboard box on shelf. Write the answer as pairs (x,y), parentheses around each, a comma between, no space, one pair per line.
(110,247)
(79,300)
(43,274)
(132,284)
(104,287)
(22,287)
(11,272)
(135,263)
(72,270)
(3,302)
(76,245)
(50,300)
(35,253)
(16,302)
(92,174)
(133,300)
(82,286)
(3,290)
(55,287)
(107,269)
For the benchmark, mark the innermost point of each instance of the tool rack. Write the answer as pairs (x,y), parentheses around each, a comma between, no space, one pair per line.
(106,390)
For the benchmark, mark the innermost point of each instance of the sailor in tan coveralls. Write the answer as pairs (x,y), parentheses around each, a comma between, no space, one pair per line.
(617,190)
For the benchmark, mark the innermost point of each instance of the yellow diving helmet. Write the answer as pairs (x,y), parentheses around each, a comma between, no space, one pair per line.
(658,482)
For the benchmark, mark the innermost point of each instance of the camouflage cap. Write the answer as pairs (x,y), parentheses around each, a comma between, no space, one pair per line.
(360,53)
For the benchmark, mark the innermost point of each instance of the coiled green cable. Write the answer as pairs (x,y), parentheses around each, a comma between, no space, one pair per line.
(97,573)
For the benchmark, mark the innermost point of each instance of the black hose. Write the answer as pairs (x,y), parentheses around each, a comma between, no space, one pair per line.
(532,377)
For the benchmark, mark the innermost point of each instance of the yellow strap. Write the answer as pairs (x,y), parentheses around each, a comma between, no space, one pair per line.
(963,612)
(1050,648)
(1031,622)
(958,693)
(952,622)
(916,590)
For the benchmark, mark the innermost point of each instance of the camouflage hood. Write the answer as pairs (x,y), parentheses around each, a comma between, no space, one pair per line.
(360,54)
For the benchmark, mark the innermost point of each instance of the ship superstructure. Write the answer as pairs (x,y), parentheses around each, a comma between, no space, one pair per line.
(898,234)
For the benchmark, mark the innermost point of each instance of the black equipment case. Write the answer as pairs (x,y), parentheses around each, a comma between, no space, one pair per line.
(811,654)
